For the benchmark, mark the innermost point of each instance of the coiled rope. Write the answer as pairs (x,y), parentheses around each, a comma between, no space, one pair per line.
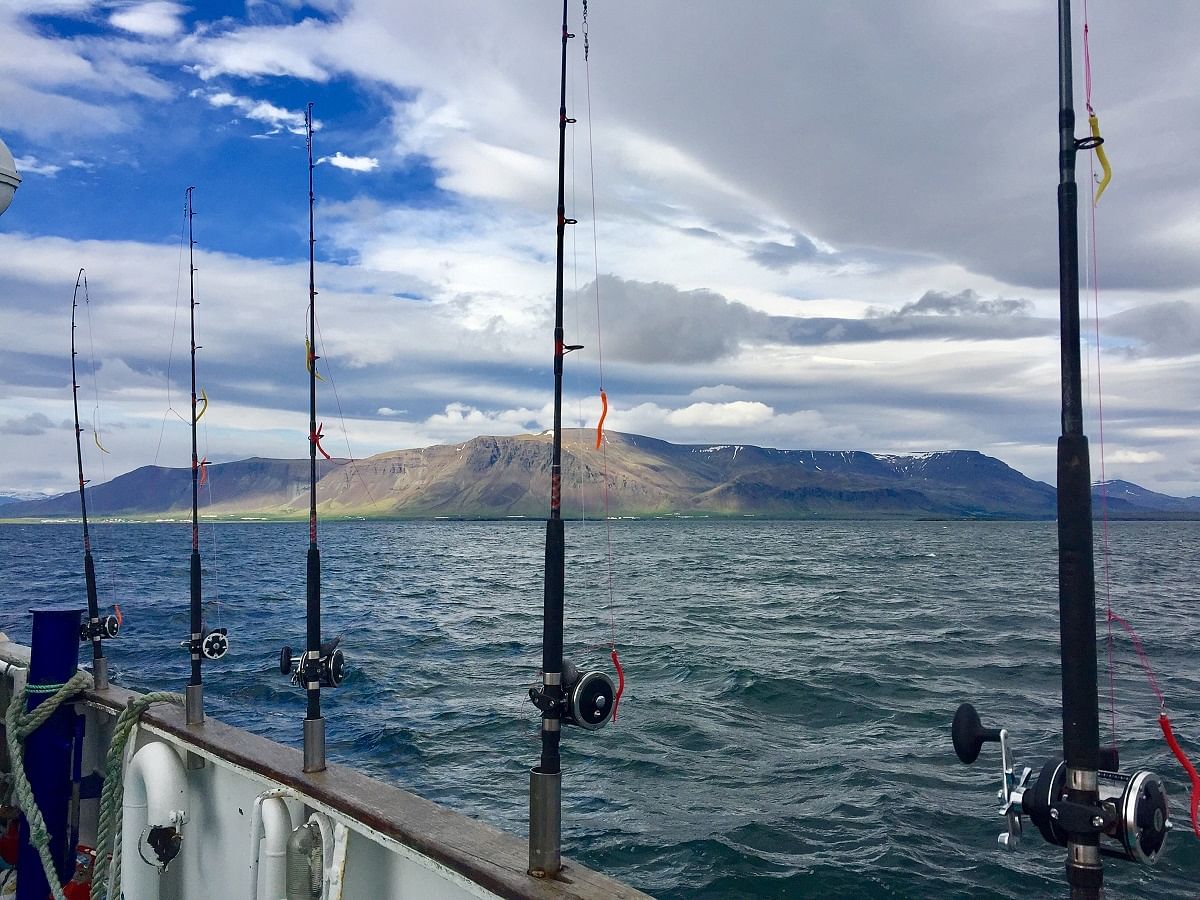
(19,725)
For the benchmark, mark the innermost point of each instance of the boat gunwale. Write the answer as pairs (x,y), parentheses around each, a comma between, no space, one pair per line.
(484,855)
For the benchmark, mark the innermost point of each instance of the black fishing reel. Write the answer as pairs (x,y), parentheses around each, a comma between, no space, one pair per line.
(1132,812)
(213,643)
(330,665)
(587,698)
(104,627)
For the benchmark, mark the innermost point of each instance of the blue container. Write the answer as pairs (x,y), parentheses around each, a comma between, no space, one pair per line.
(53,660)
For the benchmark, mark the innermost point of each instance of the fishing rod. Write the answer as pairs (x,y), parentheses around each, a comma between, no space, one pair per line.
(1083,797)
(566,694)
(204,644)
(97,629)
(322,663)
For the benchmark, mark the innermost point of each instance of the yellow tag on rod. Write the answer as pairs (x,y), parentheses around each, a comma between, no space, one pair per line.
(1100,155)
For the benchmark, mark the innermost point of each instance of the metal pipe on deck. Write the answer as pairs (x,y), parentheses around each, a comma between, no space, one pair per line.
(271,826)
(154,807)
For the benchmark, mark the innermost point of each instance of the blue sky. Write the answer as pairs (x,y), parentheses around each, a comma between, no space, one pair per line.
(825,226)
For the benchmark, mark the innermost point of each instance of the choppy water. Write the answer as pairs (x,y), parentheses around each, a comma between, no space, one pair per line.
(785,731)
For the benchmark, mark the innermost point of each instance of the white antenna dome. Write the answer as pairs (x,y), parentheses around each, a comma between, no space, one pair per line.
(9,179)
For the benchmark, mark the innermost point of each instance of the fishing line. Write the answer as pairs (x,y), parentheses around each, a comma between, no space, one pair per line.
(1092,285)
(100,451)
(1098,187)
(171,347)
(87,307)
(215,574)
(580,420)
(342,421)
(601,444)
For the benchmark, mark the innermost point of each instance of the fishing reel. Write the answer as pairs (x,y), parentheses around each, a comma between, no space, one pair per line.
(330,665)
(213,643)
(587,698)
(1132,812)
(104,627)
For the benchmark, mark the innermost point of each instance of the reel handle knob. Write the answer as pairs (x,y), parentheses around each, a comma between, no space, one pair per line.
(285,660)
(969,735)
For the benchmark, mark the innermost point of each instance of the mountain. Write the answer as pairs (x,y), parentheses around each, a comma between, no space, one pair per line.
(7,497)
(496,477)
(230,489)
(1130,501)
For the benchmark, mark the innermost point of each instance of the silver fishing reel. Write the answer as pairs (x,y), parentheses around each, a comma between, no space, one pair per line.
(330,665)
(587,699)
(1132,812)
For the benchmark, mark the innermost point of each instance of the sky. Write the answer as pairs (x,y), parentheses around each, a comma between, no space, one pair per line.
(802,224)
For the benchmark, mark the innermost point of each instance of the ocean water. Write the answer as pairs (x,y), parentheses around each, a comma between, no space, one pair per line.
(785,727)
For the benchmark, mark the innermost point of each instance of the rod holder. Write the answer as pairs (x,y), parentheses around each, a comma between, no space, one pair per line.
(100,673)
(193,704)
(314,745)
(545,823)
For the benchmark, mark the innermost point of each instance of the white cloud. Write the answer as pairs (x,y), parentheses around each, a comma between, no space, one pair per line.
(276,117)
(353,163)
(31,165)
(59,89)
(259,50)
(158,18)
(50,7)
(461,421)
(717,392)
(1134,457)
(736,414)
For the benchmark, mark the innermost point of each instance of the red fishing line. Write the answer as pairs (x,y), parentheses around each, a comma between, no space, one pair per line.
(603,415)
(621,689)
(1173,743)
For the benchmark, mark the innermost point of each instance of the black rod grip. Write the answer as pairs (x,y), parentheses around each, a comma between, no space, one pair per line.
(195,612)
(313,623)
(1077,606)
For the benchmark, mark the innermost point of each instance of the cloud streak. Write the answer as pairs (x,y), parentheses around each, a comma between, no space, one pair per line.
(30,425)
(275,117)
(657,323)
(351,163)
(156,19)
